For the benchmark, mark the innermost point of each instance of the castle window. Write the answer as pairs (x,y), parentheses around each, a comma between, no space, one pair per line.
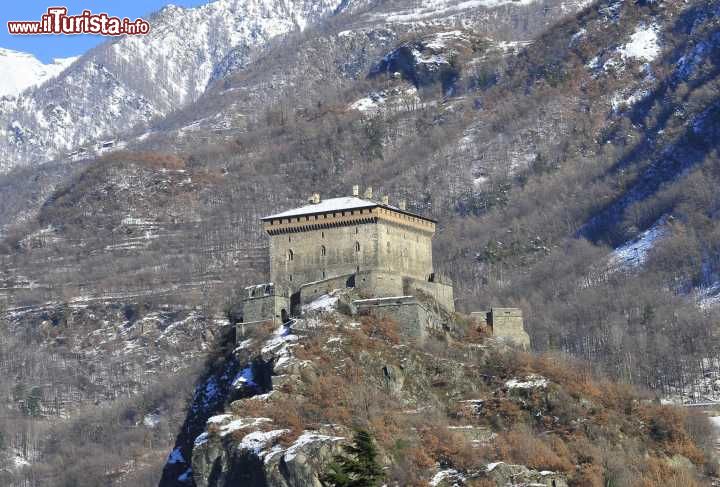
(322,234)
(290,255)
(322,250)
(357,246)
(323,274)
(356,230)
(290,276)
(388,246)
(289,238)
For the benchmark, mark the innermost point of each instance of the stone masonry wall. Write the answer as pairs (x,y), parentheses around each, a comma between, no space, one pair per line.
(443,293)
(413,320)
(507,324)
(302,257)
(349,246)
(265,308)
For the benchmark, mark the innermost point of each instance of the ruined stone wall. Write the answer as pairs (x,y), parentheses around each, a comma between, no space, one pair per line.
(441,292)
(507,324)
(412,318)
(265,308)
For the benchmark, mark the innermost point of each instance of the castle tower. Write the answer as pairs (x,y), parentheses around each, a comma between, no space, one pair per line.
(379,250)
(343,236)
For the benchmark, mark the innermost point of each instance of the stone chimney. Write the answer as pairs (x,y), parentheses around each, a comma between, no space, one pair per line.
(368,193)
(314,199)
(402,205)
(385,200)
(356,190)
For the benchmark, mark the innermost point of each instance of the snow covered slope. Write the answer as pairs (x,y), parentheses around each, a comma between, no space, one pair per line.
(124,84)
(22,70)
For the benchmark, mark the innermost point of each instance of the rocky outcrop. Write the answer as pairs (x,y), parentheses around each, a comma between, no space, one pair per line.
(245,452)
(520,476)
(428,60)
(238,449)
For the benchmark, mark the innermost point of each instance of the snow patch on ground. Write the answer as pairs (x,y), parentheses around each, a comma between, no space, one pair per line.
(308,437)
(634,253)
(491,466)
(220,425)
(324,303)
(620,101)
(439,8)
(644,44)
(258,440)
(450,475)
(151,420)
(397,99)
(701,389)
(708,296)
(244,378)
(185,476)
(529,382)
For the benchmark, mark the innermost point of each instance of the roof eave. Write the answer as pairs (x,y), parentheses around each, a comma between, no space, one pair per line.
(376,205)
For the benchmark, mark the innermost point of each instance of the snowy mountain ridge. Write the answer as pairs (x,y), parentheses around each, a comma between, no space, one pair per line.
(125,84)
(22,70)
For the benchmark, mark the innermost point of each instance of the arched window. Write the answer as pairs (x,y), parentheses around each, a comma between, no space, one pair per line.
(290,255)
(323,251)
(357,246)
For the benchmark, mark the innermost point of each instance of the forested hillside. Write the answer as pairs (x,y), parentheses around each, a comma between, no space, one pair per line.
(567,150)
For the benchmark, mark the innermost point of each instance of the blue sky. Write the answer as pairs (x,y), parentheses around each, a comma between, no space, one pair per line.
(47,47)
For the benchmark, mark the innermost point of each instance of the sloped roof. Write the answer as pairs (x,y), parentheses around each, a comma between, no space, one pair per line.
(338,204)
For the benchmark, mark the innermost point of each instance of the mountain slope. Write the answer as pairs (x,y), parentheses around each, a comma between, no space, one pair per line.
(455,410)
(22,70)
(125,84)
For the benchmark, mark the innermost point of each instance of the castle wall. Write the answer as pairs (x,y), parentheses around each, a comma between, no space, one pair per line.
(313,290)
(302,257)
(441,292)
(370,283)
(314,247)
(507,324)
(414,321)
(404,250)
(379,284)
(261,303)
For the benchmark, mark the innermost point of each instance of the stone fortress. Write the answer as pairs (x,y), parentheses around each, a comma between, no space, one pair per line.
(383,253)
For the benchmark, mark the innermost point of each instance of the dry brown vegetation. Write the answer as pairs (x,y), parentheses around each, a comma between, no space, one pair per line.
(595,431)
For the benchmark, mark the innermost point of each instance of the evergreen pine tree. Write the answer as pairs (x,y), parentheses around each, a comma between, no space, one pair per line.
(358,467)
